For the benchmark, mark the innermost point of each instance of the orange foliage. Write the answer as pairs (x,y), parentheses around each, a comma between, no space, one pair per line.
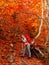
(19,16)
(16,18)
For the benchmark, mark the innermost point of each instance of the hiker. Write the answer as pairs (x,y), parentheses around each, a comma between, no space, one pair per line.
(26,42)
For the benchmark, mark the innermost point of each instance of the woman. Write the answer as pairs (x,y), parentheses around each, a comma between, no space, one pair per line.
(26,42)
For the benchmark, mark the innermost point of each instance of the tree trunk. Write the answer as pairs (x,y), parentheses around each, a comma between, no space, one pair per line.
(40,27)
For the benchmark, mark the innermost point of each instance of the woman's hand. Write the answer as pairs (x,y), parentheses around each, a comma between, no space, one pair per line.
(26,43)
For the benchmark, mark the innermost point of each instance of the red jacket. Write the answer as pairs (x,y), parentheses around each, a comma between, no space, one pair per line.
(28,38)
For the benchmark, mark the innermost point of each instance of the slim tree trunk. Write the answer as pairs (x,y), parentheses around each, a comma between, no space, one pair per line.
(47,17)
(40,27)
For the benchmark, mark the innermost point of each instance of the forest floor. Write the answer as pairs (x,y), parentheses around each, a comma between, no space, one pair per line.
(8,57)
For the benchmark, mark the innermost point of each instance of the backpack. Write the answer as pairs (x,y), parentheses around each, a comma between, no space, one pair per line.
(28,38)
